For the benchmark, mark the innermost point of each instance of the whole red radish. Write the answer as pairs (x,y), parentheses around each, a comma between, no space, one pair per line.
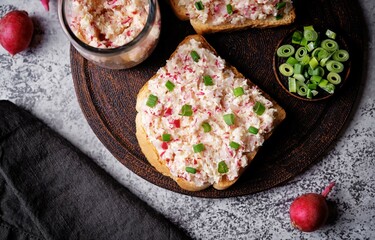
(16,31)
(310,211)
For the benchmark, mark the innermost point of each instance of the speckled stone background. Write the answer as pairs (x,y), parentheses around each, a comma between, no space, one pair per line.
(40,80)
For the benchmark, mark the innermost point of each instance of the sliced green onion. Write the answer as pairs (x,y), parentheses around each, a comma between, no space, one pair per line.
(329,87)
(195,56)
(234,145)
(169,85)
(166,137)
(238,91)
(186,110)
(298,68)
(199,5)
(198,147)
(313,63)
(206,127)
(292,85)
(259,108)
(222,167)
(309,94)
(253,130)
(335,66)
(299,77)
(291,61)
(330,45)
(330,34)
(309,27)
(314,92)
(297,37)
(280,5)
(310,35)
(229,119)
(191,170)
(285,50)
(303,42)
(207,80)
(301,89)
(152,100)
(229,9)
(305,60)
(300,53)
(323,83)
(310,46)
(316,79)
(312,86)
(334,78)
(286,70)
(341,55)
(318,71)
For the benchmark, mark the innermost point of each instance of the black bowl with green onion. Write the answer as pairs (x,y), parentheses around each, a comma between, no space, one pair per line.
(312,64)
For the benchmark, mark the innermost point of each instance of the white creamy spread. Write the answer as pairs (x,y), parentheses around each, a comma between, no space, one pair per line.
(209,104)
(108,23)
(215,11)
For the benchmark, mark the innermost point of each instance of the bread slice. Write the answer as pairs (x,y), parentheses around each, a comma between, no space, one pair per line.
(151,152)
(200,27)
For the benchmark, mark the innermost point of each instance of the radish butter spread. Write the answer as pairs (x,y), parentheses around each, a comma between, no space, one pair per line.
(218,12)
(201,118)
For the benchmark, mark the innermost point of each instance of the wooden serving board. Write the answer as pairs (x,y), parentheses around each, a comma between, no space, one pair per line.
(108,97)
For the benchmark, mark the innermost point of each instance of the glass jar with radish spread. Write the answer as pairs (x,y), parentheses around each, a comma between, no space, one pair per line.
(115,34)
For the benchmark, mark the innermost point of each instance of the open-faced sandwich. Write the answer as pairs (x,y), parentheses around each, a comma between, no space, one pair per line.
(200,121)
(207,16)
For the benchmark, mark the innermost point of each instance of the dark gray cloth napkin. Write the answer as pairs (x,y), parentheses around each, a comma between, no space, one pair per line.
(51,190)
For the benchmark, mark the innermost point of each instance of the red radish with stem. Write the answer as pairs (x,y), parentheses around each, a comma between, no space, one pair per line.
(16,31)
(310,211)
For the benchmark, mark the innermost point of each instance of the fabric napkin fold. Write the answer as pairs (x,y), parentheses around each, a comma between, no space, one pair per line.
(51,190)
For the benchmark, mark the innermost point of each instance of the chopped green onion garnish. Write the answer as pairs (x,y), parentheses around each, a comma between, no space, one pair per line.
(300,53)
(310,35)
(291,61)
(194,55)
(334,78)
(316,79)
(341,55)
(330,34)
(335,66)
(313,63)
(312,86)
(259,108)
(285,51)
(330,45)
(206,127)
(328,87)
(286,70)
(191,170)
(222,167)
(253,130)
(305,60)
(297,37)
(199,5)
(310,46)
(186,110)
(299,77)
(301,89)
(303,42)
(207,80)
(166,137)
(298,68)
(318,71)
(279,16)
(198,147)
(309,94)
(152,100)
(280,5)
(238,91)
(229,119)
(229,9)
(292,85)
(234,145)
(169,85)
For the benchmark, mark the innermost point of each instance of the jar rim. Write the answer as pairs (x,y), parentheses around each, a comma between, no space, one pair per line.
(151,18)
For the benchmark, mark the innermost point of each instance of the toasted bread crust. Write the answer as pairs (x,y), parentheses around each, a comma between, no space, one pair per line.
(206,28)
(150,151)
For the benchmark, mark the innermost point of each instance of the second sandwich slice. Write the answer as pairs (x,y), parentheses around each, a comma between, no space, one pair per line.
(200,121)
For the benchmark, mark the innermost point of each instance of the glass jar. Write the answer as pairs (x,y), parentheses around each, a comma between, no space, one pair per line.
(135,48)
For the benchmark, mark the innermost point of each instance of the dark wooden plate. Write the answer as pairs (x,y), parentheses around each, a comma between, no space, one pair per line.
(107,97)
(283,81)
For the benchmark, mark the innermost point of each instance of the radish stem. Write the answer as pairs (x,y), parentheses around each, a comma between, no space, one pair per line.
(328,189)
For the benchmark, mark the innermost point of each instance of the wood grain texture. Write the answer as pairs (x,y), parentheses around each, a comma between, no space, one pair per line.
(107,97)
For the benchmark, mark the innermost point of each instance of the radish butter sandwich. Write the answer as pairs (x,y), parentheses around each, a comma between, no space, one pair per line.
(208,16)
(200,121)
